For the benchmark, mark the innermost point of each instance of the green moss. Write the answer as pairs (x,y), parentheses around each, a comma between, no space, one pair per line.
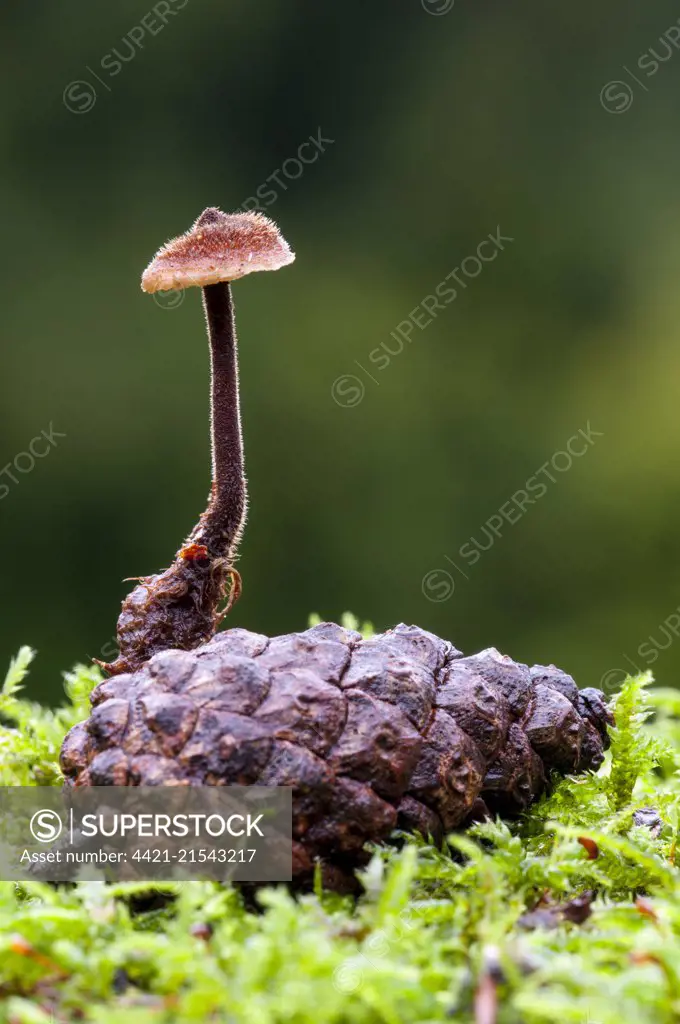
(436,931)
(31,735)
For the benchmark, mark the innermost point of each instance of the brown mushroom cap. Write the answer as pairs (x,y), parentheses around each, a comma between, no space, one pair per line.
(219,247)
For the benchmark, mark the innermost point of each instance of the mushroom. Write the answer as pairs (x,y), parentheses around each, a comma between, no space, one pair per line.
(180,607)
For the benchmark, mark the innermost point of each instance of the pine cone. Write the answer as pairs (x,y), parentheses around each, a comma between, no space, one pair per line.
(396,731)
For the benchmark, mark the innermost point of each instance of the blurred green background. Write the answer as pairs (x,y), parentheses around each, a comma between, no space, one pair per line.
(446,123)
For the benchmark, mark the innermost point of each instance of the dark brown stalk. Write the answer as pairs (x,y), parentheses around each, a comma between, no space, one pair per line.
(179,608)
(221,524)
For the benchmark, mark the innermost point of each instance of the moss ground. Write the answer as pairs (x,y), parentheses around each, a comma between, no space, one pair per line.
(570,914)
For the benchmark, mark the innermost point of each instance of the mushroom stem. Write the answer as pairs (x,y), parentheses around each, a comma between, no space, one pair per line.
(222,524)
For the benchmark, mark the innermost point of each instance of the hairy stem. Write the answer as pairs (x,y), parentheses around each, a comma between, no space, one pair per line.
(222,523)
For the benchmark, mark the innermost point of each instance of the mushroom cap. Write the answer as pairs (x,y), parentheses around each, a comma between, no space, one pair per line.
(218,247)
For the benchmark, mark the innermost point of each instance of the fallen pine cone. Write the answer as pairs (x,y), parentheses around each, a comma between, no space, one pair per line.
(396,731)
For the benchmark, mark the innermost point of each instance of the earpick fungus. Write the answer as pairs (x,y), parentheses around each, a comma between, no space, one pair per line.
(399,730)
(179,607)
